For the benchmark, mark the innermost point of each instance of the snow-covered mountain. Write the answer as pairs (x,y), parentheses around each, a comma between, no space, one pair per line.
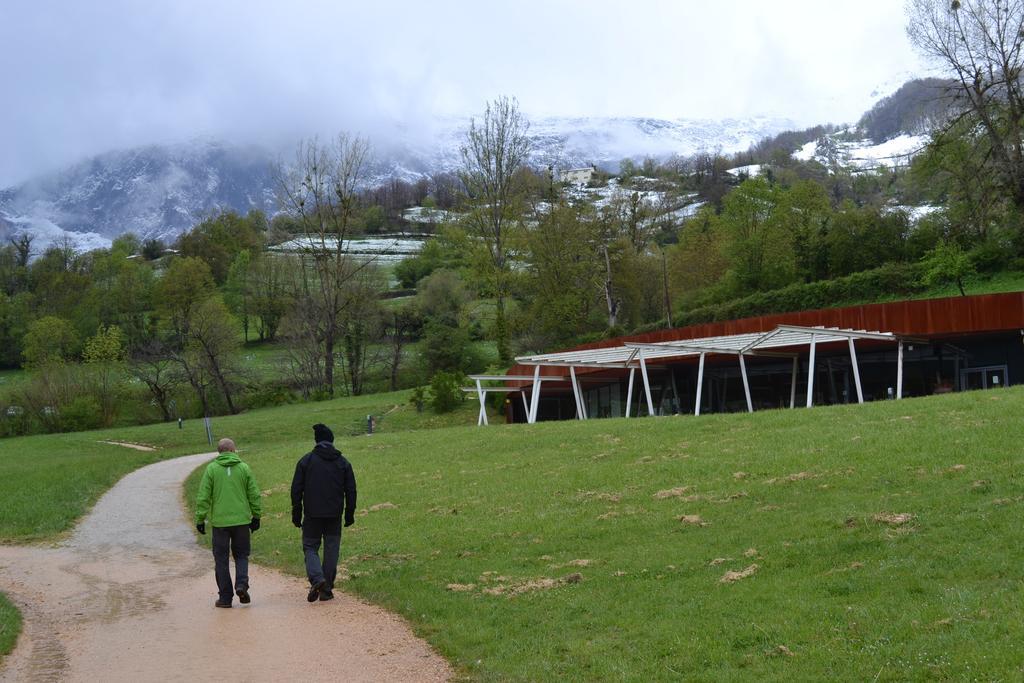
(162,190)
(153,191)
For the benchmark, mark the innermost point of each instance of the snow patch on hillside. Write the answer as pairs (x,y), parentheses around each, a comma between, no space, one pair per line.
(862,155)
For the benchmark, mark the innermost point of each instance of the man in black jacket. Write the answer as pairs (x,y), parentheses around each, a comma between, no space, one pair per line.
(323,486)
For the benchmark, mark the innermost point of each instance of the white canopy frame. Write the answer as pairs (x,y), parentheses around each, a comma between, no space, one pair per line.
(636,355)
(530,407)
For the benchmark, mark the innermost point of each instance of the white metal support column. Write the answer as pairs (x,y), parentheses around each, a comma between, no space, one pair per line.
(580,415)
(856,371)
(700,384)
(647,384)
(899,370)
(810,375)
(629,391)
(792,384)
(535,395)
(746,384)
(526,406)
(482,395)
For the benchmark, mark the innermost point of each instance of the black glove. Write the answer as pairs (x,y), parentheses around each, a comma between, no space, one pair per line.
(297,517)
(349,520)
(254,525)
(201,528)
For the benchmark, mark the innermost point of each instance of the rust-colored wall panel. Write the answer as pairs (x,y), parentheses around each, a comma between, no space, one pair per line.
(949,317)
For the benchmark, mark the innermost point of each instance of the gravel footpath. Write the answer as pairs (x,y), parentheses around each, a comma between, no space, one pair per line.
(129,596)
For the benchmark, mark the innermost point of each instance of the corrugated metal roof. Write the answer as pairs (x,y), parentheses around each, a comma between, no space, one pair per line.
(630,353)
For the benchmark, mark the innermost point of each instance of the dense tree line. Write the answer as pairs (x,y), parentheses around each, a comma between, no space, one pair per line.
(521,263)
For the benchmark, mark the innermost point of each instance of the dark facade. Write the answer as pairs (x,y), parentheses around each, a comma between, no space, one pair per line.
(953,344)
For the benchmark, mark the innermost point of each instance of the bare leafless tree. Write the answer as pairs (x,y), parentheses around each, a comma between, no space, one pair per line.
(494,150)
(980,43)
(23,248)
(212,345)
(320,191)
(153,365)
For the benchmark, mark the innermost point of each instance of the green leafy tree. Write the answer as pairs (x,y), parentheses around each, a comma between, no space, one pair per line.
(105,354)
(237,290)
(492,155)
(566,265)
(756,237)
(270,298)
(187,283)
(15,315)
(948,263)
(441,297)
(210,350)
(219,239)
(153,248)
(698,262)
(49,340)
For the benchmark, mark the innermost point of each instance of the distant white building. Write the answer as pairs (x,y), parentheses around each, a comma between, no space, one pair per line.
(577,176)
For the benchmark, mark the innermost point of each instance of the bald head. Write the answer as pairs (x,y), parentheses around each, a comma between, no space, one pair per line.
(225,446)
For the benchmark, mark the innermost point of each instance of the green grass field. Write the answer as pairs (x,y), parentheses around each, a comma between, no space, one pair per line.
(48,481)
(863,542)
(10,626)
(996,283)
(875,542)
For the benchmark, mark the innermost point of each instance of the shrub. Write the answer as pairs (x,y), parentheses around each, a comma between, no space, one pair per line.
(84,412)
(893,279)
(446,391)
(418,398)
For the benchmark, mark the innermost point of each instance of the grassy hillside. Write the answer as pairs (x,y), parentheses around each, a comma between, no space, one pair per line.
(878,541)
(10,626)
(858,542)
(48,481)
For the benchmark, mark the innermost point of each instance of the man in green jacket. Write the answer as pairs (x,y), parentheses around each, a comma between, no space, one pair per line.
(230,500)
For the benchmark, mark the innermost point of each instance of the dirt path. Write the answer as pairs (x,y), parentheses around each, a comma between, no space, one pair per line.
(129,596)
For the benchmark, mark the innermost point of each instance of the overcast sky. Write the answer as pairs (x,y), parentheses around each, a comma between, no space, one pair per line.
(81,77)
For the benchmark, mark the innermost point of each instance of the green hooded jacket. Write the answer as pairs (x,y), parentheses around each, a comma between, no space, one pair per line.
(228,495)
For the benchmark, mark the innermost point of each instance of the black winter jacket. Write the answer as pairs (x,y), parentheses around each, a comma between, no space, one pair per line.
(324,484)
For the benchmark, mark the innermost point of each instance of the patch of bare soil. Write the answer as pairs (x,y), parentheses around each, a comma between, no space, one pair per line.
(462,587)
(893,518)
(511,590)
(573,563)
(129,597)
(733,577)
(672,493)
(606,496)
(133,446)
(798,476)
(693,520)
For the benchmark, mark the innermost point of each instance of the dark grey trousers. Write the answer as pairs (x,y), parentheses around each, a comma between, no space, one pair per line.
(233,540)
(314,530)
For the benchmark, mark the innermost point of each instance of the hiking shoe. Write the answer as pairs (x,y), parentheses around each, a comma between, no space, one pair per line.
(221,603)
(326,594)
(314,591)
(243,595)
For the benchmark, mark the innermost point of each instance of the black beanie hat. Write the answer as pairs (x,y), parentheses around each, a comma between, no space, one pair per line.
(322,432)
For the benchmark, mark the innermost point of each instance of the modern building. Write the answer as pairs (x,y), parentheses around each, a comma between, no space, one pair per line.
(828,356)
(577,176)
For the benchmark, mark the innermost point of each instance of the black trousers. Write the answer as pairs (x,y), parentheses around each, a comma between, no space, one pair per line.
(329,530)
(233,540)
